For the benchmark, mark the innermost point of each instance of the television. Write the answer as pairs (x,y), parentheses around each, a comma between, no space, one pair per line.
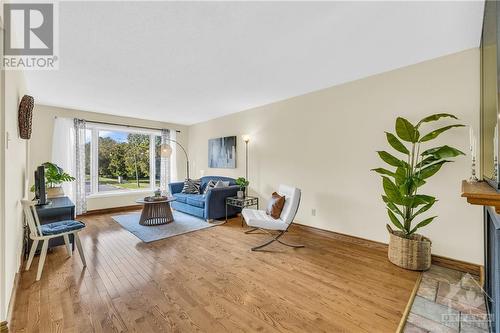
(40,194)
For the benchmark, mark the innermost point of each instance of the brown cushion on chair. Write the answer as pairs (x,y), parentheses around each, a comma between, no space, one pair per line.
(275,205)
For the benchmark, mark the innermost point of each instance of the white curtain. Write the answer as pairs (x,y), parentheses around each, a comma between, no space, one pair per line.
(63,151)
(164,163)
(68,152)
(79,148)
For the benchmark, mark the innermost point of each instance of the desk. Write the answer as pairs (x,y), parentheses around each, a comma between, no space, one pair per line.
(59,209)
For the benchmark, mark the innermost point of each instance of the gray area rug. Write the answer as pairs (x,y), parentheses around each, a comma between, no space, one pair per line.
(183,223)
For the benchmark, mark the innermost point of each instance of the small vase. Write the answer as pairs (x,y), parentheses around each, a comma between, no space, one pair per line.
(240,194)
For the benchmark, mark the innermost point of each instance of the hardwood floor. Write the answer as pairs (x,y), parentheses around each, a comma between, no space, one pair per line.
(210,281)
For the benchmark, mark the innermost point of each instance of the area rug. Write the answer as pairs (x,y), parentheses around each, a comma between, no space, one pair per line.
(182,224)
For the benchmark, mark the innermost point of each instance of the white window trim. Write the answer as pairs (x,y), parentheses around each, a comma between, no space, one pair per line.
(94,161)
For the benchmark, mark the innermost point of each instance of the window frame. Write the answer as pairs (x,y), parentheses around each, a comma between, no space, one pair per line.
(95,128)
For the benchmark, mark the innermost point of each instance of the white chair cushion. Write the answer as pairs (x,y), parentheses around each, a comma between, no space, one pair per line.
(259,219)
(292,200)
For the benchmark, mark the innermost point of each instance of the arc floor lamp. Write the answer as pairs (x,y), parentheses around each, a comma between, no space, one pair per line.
(166,151)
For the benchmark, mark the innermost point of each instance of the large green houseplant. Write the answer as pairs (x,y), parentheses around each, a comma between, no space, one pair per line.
(410,170)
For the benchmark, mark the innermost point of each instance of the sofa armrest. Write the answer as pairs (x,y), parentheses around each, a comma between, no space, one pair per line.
(215,204)
(176,187)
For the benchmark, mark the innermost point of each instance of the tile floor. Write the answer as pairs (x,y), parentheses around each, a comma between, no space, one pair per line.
(448,301)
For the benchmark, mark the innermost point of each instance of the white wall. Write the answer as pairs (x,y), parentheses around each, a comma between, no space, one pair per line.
(13,184)
(41,146)
(325,142)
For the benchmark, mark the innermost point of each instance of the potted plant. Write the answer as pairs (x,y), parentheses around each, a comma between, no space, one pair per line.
(401,186)
(54,177)
(242,183)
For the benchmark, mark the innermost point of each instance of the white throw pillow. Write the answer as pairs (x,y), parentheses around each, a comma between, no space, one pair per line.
(220,184)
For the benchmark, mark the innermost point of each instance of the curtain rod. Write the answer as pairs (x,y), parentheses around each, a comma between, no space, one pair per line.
(131,126)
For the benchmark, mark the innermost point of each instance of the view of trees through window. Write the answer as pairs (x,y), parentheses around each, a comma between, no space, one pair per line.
(123,160)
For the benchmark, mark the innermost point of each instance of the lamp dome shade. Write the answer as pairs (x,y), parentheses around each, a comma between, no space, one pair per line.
(166,150)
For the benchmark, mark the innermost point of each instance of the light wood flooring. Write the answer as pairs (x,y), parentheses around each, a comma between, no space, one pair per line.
(210,281)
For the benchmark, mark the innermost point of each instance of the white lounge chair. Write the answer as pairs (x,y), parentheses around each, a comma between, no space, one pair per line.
(259,220)
(48,231)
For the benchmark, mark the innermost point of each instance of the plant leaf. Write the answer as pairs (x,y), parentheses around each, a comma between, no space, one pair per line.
(390,159)
(435,133)
(417,200)
(392,191)
(406,131)
(431,169)
(435,117)
(400,175)
(395,220)
(442,152)
(383,171)
(426,161)
(422,224)
(423,209)
(396,144)
(395,209)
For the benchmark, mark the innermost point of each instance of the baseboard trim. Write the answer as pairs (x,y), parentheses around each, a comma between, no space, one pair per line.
(455,264)
(12,301)
(111,210)
(407,310)
(458,265)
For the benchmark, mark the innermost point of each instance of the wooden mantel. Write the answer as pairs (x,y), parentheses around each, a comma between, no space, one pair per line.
(481,193)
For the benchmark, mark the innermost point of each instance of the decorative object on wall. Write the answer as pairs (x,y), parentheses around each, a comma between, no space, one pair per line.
(406,248)
(25,115)
(222,152)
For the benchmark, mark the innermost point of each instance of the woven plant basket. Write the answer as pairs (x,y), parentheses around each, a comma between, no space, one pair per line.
(412,253)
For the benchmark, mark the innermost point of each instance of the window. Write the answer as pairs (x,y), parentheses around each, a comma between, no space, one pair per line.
(122,159)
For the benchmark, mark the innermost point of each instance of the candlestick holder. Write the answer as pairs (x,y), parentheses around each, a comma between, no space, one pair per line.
(473,178)
(495,168)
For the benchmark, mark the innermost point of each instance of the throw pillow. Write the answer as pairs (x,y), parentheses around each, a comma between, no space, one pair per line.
(275,205)
(191,186)
(210,185)
(220,184)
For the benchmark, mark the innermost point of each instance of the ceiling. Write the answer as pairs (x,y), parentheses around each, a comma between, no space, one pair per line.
(187,62)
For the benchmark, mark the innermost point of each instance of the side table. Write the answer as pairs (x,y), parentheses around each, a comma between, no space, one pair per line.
(241,203)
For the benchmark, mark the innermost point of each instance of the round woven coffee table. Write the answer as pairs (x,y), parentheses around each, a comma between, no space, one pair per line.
(156,212)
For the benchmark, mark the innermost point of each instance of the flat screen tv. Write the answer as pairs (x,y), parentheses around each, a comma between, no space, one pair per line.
(40,194)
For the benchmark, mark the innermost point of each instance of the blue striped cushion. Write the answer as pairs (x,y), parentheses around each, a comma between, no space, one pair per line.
(60,227)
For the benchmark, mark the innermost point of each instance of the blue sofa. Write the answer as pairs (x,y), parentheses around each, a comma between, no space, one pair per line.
(207,206)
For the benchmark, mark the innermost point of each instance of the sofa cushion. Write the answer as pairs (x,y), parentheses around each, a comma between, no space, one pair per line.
(181,197)
(197,200)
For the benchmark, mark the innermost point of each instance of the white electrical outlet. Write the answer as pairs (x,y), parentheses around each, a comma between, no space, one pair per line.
(313,212)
